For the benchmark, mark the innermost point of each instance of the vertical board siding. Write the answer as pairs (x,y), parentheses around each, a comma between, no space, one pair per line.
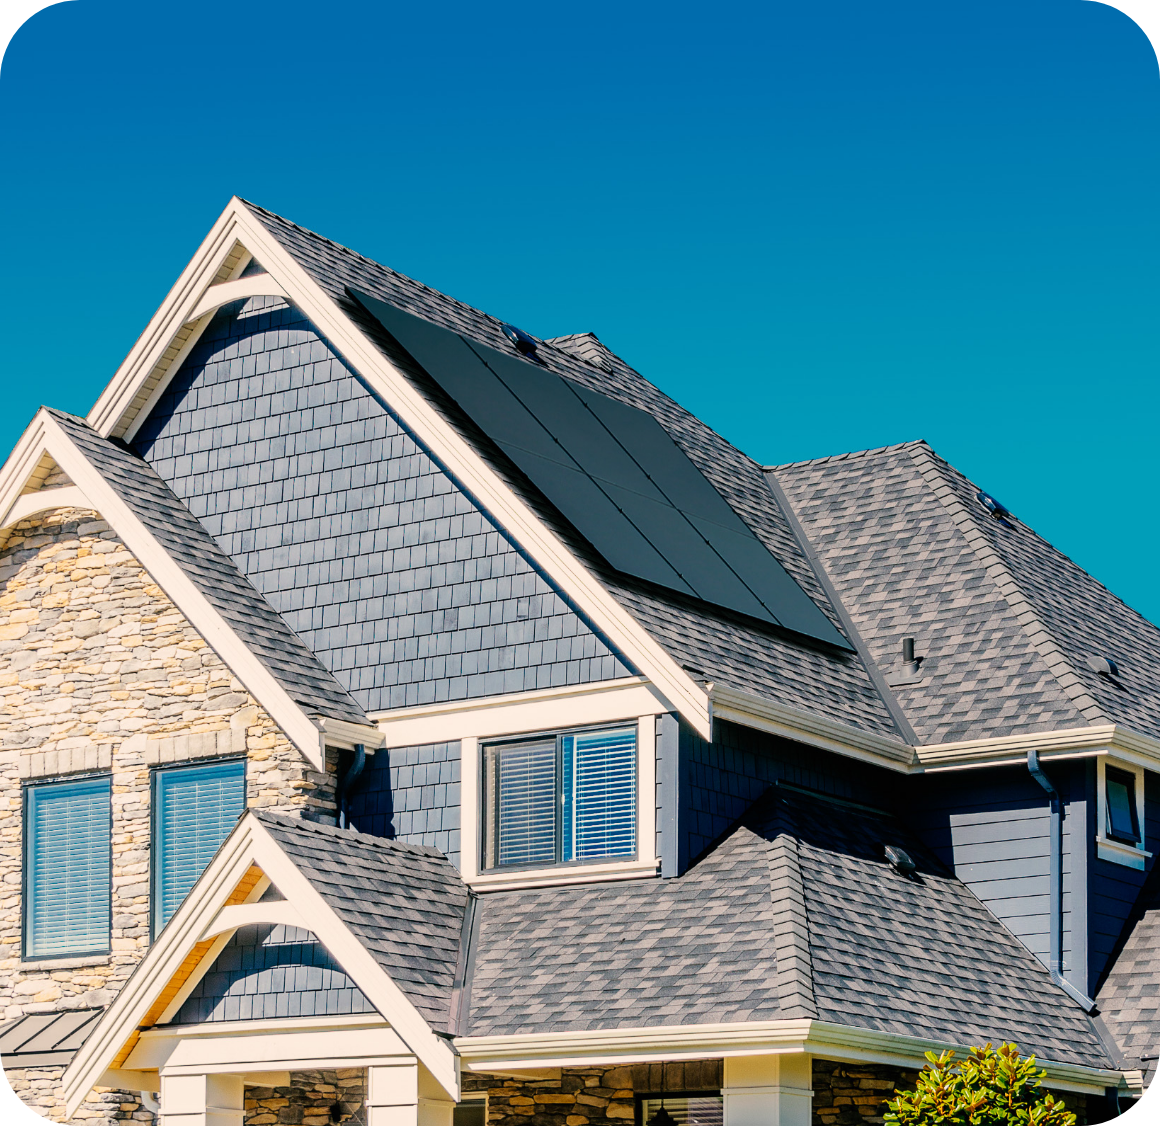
(1115,888)
(268,971)
(411,794)
(407,593)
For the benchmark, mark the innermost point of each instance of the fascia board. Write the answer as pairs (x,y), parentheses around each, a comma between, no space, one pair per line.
(114,407)
(356,960)
(1077,742)
(776,1037)
(762,714)
(124,1016)
(20,464)
(299,727)
(456,455)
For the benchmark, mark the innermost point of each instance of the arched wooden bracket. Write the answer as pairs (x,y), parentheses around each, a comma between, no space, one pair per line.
(256,285)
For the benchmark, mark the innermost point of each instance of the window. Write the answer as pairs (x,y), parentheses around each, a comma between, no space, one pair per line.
(560,799)
(68,868)
(194,809)
(1120,802)
(685,1109)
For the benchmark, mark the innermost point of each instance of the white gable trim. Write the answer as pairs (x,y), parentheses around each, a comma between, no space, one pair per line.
(45,436)
(122,402)
(248,846)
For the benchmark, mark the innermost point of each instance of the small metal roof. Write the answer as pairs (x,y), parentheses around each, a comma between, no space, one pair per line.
(46,1039)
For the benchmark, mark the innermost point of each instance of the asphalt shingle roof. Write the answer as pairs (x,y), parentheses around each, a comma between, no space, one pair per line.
(405,903)
(1004,621)
(714,645)
(188,544)
(795,914)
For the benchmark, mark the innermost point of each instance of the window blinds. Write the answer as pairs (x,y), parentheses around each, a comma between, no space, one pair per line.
(195,809)
(568,798)
(68,867)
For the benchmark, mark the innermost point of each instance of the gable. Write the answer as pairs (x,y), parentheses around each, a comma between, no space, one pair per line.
(406,591)
(267,971)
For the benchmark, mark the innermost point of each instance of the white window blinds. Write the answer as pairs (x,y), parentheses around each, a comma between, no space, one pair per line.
(563,799)
(194,810)
(68,865)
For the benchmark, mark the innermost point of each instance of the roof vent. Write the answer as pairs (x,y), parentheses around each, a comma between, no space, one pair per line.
(1105,666)
(1000,511)
(523,342)
(900,860)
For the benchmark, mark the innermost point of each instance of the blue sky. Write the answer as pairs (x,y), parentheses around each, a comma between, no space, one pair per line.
(822,227)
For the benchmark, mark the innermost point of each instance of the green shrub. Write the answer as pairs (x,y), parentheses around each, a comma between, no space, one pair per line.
(992,1087)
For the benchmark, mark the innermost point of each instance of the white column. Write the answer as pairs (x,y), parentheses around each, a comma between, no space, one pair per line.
(393,1094)
(768,1090)
(202,1100)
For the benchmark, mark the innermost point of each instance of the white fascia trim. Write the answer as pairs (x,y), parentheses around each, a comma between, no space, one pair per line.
(566,876)
(222,293)
(345,735)
(751,710)
(776,1037)
(247,846)
(520,712)
(301,729)
(237,224)
(1077,742)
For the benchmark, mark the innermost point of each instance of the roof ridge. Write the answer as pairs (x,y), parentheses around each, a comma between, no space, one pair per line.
(1033,626)
(348,835)
(852,454)
(791,928)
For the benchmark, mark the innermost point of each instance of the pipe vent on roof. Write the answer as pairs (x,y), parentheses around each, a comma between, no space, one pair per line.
(899,860)
(1105,666)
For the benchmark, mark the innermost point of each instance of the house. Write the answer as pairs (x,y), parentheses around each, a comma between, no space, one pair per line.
(410,721)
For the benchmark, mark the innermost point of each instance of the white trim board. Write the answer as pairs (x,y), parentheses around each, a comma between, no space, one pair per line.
(45,435)
(127,392)
(247,847)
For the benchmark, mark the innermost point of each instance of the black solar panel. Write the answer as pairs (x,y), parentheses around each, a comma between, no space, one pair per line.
(615,473)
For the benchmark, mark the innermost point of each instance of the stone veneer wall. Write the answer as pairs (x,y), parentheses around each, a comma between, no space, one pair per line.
(309,1099)
(100,671)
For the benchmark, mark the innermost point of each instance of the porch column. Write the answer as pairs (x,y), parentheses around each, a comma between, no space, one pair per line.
(768,1090)
(403,1094)
(202,1100)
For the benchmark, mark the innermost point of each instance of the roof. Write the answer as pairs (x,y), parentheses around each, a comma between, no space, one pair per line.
(45,1039)
(405,903)
(711,644)
(1004,622)
(282,652)
(795,913)
(1129,998)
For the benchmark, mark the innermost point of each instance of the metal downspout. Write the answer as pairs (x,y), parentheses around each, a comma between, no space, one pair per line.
(348,780)
(1055,963)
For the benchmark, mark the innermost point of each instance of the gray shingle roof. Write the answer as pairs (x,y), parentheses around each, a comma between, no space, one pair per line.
(45,1039)
(405,903)
(214,574)
(795,914)
(1004,620)
(1129,999)
(713,645)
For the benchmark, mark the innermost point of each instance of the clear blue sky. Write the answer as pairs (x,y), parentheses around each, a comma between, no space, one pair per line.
(820,226)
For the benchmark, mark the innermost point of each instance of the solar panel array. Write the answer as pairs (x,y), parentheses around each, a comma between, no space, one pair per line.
(614,472)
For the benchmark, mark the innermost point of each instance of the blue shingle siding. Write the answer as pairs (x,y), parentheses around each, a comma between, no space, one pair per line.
(723,778)
(267,971)
(410,794)
(404,589)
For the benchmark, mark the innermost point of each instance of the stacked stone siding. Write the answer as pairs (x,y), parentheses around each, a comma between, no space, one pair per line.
(99,671)
(314,1098)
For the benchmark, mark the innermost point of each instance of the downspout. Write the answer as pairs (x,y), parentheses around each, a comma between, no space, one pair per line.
(149,1102)
(342,791)
(1055,964)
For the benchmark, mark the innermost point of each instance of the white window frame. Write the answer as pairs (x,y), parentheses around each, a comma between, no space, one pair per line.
(471,817)
(1131,856)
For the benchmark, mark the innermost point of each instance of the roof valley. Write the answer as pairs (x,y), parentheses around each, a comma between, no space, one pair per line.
(1037,633)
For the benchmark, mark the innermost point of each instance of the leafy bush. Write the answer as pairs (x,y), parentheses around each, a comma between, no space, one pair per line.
(992,1087)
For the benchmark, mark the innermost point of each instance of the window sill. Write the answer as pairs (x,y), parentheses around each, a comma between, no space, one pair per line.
(556,877)
(65,963)
(1128,855)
